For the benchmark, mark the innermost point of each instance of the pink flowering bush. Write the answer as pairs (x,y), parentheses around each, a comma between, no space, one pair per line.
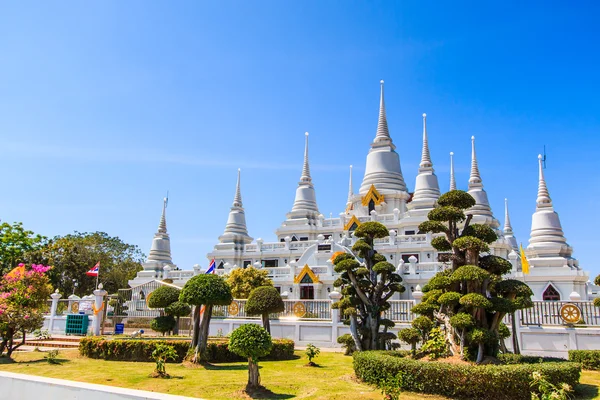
(23,296)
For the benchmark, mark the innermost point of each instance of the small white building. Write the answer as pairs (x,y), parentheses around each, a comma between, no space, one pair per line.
(299,262)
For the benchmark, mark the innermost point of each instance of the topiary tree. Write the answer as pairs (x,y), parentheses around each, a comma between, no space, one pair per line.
(410,336)
(474,285)
(178,309)
(368,281)
(163,324)
(165,297)
(263,301)
(204,291)
(243,280)
(424,325)
(252,342)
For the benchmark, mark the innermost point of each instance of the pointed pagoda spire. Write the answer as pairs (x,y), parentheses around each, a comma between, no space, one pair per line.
(237,199)
(508,230)
(305,203)
(162,225)
(160,250)
(427,188)
(383,163)
(425,156)
(235,229)
(452,180)
(383,133)
(482,204)
(543,197)
(350,189)
(507,226)
(475,178)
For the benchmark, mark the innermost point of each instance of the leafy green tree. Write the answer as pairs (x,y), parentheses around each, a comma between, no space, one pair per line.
(163,352)
(206,290)
(311,352)
(251,341)
(23,297)
(15,243)
(167,297)
(163,324)
(473,285)
(264,300)
(243,280)
(410,336)
(73,255)
(178,309)
(368,281)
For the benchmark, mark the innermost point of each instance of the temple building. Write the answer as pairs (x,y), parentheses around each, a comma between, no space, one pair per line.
(300,260)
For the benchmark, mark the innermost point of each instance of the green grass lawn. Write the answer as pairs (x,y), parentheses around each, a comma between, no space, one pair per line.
(334,379)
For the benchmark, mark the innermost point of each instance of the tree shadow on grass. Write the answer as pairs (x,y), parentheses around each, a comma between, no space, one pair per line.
(218,367)
(263,393)
(585,392)
(6,360)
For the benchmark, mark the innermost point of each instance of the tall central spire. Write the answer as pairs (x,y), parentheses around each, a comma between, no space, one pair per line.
(452,180)
(482,204)
(547,236)
(350,189)
(383,163)
(160,251)
(305,203)
(235,229)
(427,188)
(508,230)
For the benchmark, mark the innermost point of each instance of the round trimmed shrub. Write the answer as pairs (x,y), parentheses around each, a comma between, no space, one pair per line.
(163,296)
(263,301)
(251,341)
(163,324)
(178,309)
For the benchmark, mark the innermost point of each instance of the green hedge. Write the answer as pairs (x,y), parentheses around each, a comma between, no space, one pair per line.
(141,350)
(589,359)
(510,358)
(461,381)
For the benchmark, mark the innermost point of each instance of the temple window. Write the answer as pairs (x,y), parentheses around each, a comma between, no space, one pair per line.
(409,232)
(371,205)
(405,257)
(271,263)
(551,294)
(247,263)
(221,265)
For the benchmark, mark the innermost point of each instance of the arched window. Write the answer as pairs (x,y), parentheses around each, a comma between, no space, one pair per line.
(551,293)
(371,206)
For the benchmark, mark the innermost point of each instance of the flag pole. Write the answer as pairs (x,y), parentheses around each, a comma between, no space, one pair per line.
(97,275)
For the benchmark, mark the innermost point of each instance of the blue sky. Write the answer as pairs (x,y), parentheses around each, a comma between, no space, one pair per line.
(104,106)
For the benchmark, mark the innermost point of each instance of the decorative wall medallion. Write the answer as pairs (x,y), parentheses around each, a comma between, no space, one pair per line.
(570,313)
(299,309)
(233,308)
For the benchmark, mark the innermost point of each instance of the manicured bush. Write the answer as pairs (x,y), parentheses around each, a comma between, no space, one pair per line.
(163,324)
(251,341)
(509,358)
(141,350)
(163,296)
(263,301)
(589,359)
(347,343)
(497,382)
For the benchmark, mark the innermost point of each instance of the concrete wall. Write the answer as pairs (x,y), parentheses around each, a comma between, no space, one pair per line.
(28,387)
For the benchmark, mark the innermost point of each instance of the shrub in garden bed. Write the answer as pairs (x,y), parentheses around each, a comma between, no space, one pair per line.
(589,359)
(509,358)
(459,380)
(141,350)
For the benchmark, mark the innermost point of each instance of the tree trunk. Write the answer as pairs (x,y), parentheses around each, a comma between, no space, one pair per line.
(480,353)
(515,339)
(445,319)
(203,337)
(462,345)
(176,328)
(503,346)
(2,346)
(354,333)
(374,328)
(196,326)
(266,322)
(253,375)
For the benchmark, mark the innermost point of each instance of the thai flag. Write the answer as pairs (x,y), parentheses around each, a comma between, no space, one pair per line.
(211,267)
(95,270)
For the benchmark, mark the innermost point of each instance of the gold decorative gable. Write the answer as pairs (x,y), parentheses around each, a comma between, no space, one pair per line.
(374,195)
(352,221)
(307,271)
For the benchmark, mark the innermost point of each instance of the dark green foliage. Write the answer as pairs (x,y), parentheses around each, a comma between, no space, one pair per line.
(493,382)
(436,345)
(447,213)
(470,242)
(481,232)
(495,265)
(589,359)
(462,321)
(503,331)
(163,324)
(597,280)
(440,243)
(457,198)
(163,296)
(449,299)
(469,273)
(383,266)
(206,289)
(410,336)
(433,227)
(424,325)
(371,229)
(425,309)
(178,309)
(597,302)
(510,358)
(250,341)
(347,343)
(217,351)
(264,299)
(475,300)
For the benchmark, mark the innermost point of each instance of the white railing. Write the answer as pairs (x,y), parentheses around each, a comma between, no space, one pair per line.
(279,271)
(180,275)
(294,309)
